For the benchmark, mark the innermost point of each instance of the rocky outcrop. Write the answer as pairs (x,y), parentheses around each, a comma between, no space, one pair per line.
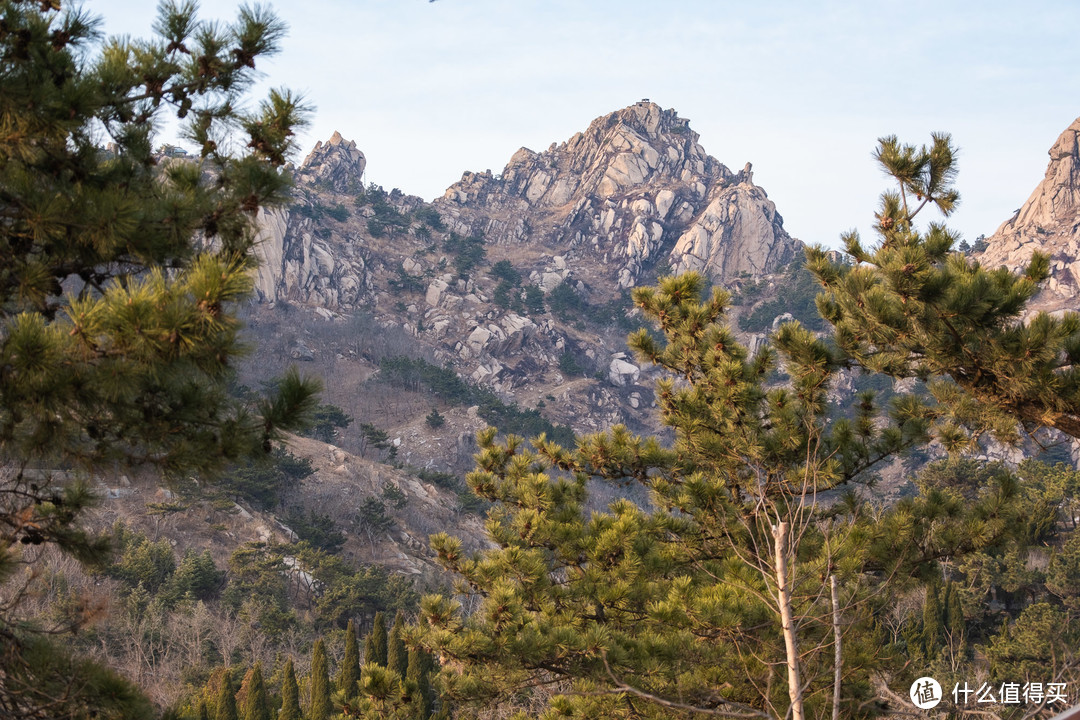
(296,262)
(738,232)
(633,191)
(335,165)
(1048,222)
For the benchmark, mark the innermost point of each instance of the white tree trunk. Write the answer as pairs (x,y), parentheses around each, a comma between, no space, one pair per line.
(783,598)
(837,659)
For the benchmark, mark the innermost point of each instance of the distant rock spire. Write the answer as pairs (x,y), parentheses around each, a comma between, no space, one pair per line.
(337,162)
(1049,222)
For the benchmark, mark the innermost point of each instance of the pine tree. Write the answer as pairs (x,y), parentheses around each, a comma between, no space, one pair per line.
(290,694)
(712,600)
(375,647)
(320,683)
(119,282)
(255,704)
(349,673)
(397,656)
(226,700)
(912,307)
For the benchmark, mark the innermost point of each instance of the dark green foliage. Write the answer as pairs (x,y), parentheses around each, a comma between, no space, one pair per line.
(504,270)
(420,666)
(933,625)
(257,587)
(1063,575)
(317,211)
(393,495)
(320,683)
(372,517)
(349,670)
(373,437)
(40,672)
(397,656)
(416,374)
(507,292)
(569,365)
(1040,643)
(326,420)
(507,297)
(404,282)
(266,481)
(566,304)
(315,528)
(348,593)
(468,251)
(377,641)
(338,212)
(196,575)
(118,331)
(912,307)
(681,602)
(510,419)
(429,216)
(387,218)
(534,300)
(255,705)
(143,562)
(796,293)
(954,616)
(226,699)
(290,694)
(434,419)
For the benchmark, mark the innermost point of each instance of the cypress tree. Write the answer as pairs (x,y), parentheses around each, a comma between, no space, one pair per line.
(226,700)
(255,705)
(932,632)
(320,683)
(378,641)
(397,656)
(419,671)
(350,664)
(290,694)
(954,615)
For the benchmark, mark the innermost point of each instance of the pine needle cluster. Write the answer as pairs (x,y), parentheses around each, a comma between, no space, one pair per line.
(911,306)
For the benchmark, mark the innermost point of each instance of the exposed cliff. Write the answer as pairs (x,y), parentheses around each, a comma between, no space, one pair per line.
(518,282)
(634,190)
(1049,222)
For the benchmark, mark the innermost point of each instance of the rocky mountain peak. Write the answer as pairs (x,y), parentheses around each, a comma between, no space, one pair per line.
(337,164)
(1049,222)
(634,190)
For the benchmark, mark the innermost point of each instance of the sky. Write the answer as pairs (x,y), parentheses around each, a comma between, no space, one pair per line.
(428,90)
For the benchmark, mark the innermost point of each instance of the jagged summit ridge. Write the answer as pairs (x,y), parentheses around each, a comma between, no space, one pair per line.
(635,189)
(337,163)
(1049,222)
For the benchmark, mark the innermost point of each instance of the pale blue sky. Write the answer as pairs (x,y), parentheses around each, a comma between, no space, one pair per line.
(802,90)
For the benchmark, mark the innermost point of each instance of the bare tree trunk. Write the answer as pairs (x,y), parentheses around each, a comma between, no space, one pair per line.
(783,598)
(837,659)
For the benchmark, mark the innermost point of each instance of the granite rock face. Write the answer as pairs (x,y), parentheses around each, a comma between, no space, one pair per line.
(1048,222)
(632,197)
(635,190)
(336,164)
